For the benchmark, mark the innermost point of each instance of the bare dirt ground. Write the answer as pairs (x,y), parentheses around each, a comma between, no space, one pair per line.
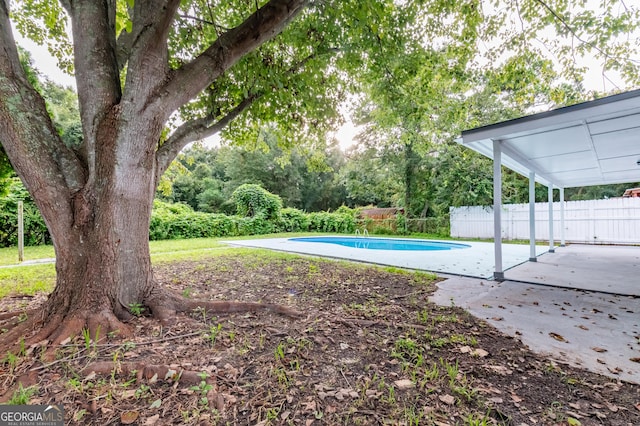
(370,350)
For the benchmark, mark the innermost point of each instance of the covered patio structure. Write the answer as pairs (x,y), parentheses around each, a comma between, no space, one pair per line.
(591,143)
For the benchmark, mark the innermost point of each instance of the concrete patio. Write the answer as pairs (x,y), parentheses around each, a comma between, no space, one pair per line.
(579,306)
(607,269)
(595,331)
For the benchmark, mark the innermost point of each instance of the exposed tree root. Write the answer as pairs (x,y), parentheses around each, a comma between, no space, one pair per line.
(164,306)
(144,371)
(39,330)
(13,314)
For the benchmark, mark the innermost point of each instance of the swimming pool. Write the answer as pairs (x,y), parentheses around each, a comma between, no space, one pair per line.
(397,244)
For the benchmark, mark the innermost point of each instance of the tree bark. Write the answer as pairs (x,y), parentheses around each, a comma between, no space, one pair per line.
(97,202)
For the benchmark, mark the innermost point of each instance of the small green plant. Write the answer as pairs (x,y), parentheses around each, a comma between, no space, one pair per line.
(391,395)
(272,413)
(11,360)
(477,420)
(22,396)
(281,375)
(136,309)
(203,388)
(86,335)
(23,349)
(412,416)
(79,415)
(279,352)
(451,369)
(212,335)
(186,293)
(143,391)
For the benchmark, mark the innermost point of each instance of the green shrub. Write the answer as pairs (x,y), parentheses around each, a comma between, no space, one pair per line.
(401,224)
(331,222)
(256,225)
(382,230)
(253,200)
(347,210)
(174,221)
(293,220)
(35,230)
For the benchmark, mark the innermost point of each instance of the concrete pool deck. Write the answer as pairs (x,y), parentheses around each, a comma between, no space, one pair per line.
(475,261)
(579,305)
(591,330)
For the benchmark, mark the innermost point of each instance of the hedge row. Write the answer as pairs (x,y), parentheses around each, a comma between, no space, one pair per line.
(171,221)
(35,231)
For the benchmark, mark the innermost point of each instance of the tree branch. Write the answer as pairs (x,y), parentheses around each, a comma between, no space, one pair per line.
(123,48)
(97,76)
(195,76)
(208,126)
(197,129)
(204,21)
(50,170)
(577,36)
(145,51)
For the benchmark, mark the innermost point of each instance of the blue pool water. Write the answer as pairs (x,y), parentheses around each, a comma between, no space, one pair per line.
(383,243)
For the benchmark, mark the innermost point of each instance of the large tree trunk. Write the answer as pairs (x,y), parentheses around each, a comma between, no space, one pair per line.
(96,200)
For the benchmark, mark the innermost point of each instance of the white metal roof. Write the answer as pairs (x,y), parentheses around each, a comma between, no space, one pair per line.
(590,143)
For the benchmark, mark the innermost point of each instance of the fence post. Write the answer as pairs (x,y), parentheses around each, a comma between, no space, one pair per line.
(20,231)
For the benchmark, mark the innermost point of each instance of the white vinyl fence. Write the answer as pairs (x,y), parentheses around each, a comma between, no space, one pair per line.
(612,221)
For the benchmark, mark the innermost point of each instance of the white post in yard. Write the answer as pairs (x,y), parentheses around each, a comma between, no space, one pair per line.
(562,202)
(20,231)
(551,245)
(532,217)
(498,273)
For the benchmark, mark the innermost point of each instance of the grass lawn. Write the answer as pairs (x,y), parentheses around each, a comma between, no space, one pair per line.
(18,279)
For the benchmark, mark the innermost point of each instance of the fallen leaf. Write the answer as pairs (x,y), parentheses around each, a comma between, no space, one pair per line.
(129,417)
(635,359)
(404,384)
(638,406)
(481,353)
(500,369)
(152,420)
(515,398)
(497,318)
(557,336)
(598,349)
(465,349)
(130,393)
(447,399)
(573,422)
(156,404)
(582,327)
(616,370)
(612,407)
